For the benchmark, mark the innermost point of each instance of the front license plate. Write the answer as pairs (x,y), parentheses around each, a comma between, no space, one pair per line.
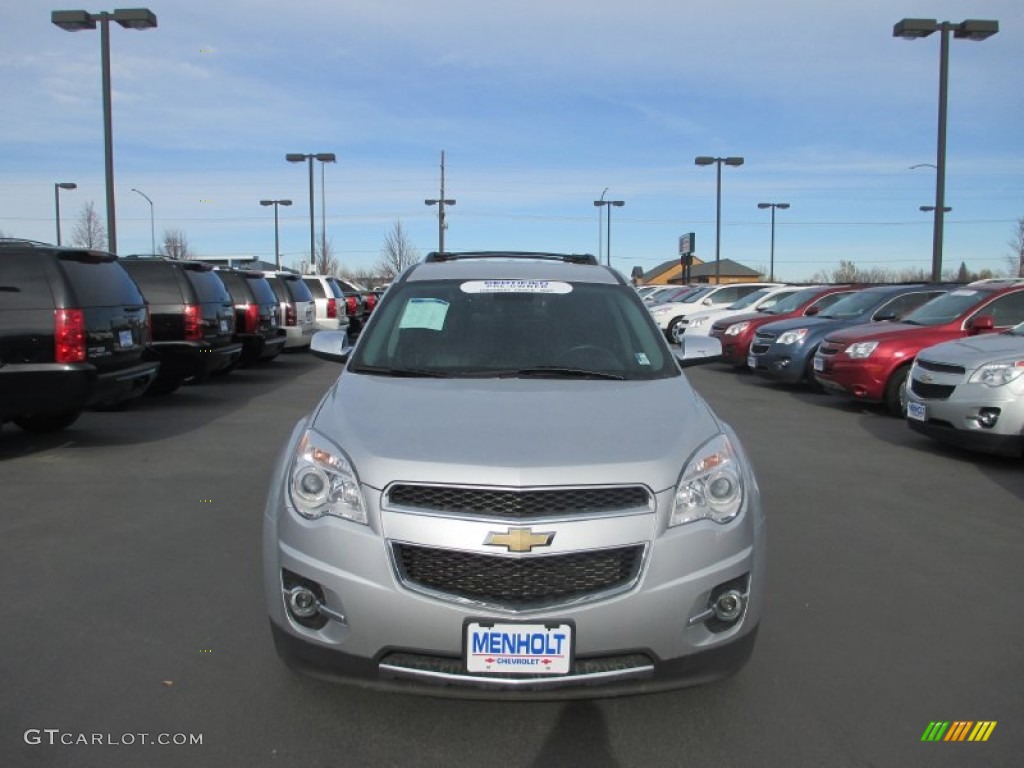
(916,411)
(223,325)
(513,648)
(819,364)
(751,361)
(124,338)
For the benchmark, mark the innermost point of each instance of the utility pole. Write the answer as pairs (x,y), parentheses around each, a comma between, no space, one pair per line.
(440,202)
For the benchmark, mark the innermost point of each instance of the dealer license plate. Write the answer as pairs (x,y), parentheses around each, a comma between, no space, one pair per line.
(916,411)
(513,648)
(751,361)
(124,338)
(223,325)
(819,364)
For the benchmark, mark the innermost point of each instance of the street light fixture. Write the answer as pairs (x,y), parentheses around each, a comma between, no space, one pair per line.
(773,206)
(608,239)
(57,187)
(929,208)
(440,202)
(323,157)
(971,29)
(129,18)
(152,226)
(600,226)
(277,238)
(733,161)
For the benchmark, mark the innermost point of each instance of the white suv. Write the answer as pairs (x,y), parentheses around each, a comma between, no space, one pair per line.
(669,314)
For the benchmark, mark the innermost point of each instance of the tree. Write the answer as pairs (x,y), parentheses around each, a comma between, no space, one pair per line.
(1015,261)
(175,245)
(88,231)
(397,253)
(962,275)
(325,260)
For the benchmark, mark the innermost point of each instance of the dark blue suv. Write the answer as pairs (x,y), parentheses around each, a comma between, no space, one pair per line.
(784,351)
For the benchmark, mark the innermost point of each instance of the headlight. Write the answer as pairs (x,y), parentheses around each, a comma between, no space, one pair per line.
(710,486)
(861,349)
(323,482)
(736,328)
(660,310)
(792,337)
(998,374)
(697,322)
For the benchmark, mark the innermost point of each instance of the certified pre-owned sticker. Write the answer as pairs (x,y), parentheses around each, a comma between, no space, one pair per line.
(515,286)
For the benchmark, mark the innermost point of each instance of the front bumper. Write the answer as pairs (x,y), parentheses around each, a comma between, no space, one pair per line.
(779,366)
(386,633)
(956,420)
(860,379)
(299,336)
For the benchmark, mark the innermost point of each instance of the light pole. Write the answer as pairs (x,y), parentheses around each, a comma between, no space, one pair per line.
(734,161)
(440,202)
(773,206)
(152,225)
(600,225)
(129,18)
(971,29)
(277,238)
(323,157)
(608,240)
(57,187)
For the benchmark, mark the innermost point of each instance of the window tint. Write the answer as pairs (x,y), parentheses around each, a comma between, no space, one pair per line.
(1007,310)
(298,289)
(237,286)
(827,300)
(261,289)
(335,288)
(208,285)
(947,308)
(23,283)
(158,281)
(316,287)
(908,302)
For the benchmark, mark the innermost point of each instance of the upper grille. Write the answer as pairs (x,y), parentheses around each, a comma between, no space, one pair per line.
(941,367)
(518,583)
(516,504)
(830,348)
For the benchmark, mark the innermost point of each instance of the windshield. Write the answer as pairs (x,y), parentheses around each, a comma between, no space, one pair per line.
(794,301)
(854,305)
(946,308)
(675,294)
(475,328)
(750,298)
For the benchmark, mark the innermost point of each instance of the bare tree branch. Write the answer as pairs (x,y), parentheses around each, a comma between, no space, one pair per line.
(175,244)
(397,253)
(88,231)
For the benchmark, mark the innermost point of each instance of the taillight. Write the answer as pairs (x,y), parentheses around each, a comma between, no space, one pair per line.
(69,336)
(289,315)
(332,307)
(371,302)
(252,318)
(350,305)
(193,322)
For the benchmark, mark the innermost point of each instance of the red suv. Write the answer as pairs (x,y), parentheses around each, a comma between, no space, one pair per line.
(871,362)
(737,332)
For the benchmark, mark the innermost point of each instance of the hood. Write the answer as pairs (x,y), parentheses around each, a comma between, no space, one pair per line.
(781,326)
(515,432)
(975,351)
(902,331)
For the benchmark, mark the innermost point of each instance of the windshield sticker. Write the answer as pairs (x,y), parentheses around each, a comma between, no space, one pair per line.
(515,286)
(964,293)
(424,313)
(641,358)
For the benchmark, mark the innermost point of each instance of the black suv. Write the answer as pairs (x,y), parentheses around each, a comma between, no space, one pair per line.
(257,314)
(193,319)
(73,333)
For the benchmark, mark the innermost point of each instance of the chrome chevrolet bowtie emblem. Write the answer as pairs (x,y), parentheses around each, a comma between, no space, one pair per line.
(519,539)
(926,378)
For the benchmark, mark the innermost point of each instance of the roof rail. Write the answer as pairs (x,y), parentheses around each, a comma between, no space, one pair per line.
(998,280)
(572,258)
(22,241)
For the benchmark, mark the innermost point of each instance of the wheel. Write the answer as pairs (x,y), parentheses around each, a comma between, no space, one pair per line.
(812,383)
(41,423)
(670,332)
(896,392)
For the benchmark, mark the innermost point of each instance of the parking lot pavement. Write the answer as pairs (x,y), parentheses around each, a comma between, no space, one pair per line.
(133,604)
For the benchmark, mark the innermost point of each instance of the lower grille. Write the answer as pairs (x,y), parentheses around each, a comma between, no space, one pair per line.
(518,583)
(931,391)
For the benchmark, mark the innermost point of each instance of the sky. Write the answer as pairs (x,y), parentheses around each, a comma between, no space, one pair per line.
(539,107)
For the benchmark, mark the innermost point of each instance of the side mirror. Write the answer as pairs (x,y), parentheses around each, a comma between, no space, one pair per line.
(330,345)
(887,315)
(707,302)
(811,311)
(697,350)
(981,323)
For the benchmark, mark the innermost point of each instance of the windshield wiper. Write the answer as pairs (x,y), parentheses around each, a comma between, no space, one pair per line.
(553,371)
(408,373)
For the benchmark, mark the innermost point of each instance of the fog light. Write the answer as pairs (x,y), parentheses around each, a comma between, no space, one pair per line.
(987,417)
(302,602)
(728,606)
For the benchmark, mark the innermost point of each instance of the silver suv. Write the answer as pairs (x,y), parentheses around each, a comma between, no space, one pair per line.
(471,506)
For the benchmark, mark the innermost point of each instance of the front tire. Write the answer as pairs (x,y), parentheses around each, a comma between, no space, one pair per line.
(42,423)
(896,392)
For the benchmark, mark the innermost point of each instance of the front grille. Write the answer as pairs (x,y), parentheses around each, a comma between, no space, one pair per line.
(829,348)
(931,391)
(518,583)
(518,504)
(927,365)
(759,348)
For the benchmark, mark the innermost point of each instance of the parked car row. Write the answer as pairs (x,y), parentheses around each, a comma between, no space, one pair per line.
(948,358)
(85,329)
